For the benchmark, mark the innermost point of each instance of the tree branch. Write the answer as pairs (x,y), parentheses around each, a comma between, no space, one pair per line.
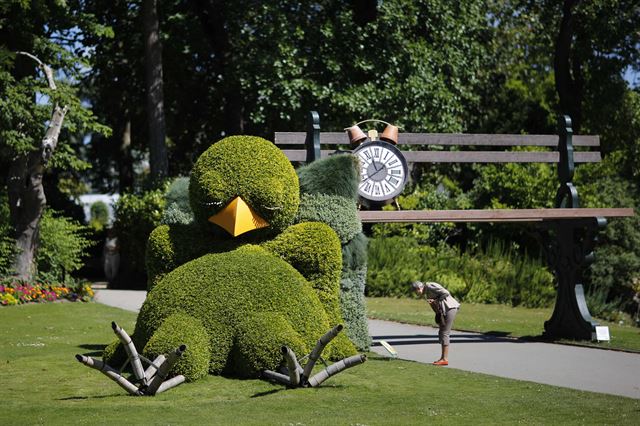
(44,67)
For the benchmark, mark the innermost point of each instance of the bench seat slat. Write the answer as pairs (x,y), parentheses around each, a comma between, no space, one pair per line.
(446,139)
(500,215)
(495,157)
(469,156)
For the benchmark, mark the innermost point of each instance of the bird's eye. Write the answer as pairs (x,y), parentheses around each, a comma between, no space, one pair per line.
(213,203)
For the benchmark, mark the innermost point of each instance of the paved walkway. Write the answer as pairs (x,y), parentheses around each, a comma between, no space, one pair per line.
(597,370)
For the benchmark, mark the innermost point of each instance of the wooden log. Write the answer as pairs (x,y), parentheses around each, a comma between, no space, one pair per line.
(336,368)
(292,365)
(163,370)
(317,350)
(276,377)
(171,383)
(132,353)
(111,373)
(152,369)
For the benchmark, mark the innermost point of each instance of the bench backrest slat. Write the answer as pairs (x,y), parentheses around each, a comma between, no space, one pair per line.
(469,156)
(446,139)
(494,157)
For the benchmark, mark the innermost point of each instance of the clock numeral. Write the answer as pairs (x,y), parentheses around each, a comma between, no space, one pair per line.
(382,172)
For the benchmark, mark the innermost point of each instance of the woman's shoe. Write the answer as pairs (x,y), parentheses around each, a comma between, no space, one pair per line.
(441,362)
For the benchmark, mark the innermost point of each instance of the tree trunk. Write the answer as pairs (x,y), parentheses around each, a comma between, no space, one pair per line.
(568,72)
(125,160)
(158,161)
(26,195)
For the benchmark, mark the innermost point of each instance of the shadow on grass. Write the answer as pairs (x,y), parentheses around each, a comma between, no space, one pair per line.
(81,398)
(97,350)
(266,393)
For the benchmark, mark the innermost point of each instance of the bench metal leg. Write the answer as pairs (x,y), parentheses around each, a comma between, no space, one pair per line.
(569,252)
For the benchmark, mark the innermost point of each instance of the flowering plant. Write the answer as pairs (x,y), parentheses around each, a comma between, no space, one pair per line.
(14,291)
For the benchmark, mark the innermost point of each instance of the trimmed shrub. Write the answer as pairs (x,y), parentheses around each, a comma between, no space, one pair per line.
(354,308)
(136,217)
(352,290)
(354,254)
(314,250)
(225,288)
(251,168)
(336,175)
(169,246)
(173,214)
(178,193)
(258,342)
(329,194)
(176,330)
(340,213)
(496,275)
(178,209)
(114,354)
(393,264)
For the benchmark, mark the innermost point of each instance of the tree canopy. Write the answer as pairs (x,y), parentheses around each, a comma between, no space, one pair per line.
(255,67)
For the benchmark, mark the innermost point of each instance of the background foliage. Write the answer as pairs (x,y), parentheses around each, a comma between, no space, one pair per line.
(254,68)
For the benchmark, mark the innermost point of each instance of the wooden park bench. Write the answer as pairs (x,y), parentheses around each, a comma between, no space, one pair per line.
(571,231)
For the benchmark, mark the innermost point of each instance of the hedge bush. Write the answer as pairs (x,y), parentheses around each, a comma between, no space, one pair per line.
(136,215)
(177,210)
(393,263)
(336,175)
(169,246)
(258,343)
(63,246)
(252,168)
(496,275)
(340,213)
(314,250)
(224,289)
(329,195)
(181,329)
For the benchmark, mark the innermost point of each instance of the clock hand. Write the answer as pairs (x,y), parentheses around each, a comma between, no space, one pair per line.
(377,170)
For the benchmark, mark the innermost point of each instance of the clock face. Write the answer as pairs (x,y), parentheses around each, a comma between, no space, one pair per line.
(383,171)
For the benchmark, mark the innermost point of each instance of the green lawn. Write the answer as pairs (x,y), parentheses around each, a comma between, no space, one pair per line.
(42,383)
(497,319)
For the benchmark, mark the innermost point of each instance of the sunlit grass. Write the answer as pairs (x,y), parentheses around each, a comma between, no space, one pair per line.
(42,383)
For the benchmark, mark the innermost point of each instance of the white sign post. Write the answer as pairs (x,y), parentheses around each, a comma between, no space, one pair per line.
(602,334)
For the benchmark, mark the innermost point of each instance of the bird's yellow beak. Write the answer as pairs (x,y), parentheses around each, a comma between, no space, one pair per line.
(237,218)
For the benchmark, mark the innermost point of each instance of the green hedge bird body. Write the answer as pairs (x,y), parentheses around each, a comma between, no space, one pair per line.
(242,279)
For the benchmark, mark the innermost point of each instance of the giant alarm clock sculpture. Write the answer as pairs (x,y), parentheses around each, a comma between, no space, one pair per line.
(383,168)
